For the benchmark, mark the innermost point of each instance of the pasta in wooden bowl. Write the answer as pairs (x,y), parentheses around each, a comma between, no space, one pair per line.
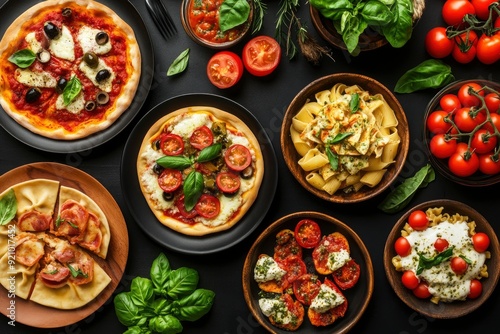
(345,137)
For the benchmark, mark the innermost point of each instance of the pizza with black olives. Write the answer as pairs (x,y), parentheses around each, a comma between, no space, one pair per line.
(200,170)
(68,68)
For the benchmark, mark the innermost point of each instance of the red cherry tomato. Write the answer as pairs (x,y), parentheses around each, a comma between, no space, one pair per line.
(201,137)
(306,287)
(438,121)
(462,54)
(476,289)
(450,102)
(402,246)
(224,69)
(170,180)
(410,280)
(418,220)
(463,164)
(422,291)
(441,147)
(228,182)
(238,157)
(488,48)
(441,244)
(466,120)
(488,165)
(482,8)
(483,141)
(261,55)
(182,209)
(208,206)
(458,265)
(437,43)
(492,102)
(308,233)
(495,123)
(481,242)
(348,275)
(453,11)
(171,144)
(467,39)
(466,96)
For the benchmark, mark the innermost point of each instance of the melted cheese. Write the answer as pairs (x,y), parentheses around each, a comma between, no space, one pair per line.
(267,269)
(74,107)
(33,44)
(337,260)
(277,309)
(29,252)
(228,206)
(86,38)
(326,299)
(35,79)
(64,46)
(91,73)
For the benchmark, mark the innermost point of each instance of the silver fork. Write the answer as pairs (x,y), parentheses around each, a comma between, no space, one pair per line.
(161,17)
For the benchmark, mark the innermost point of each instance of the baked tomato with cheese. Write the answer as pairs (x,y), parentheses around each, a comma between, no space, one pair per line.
(324,253)
(293,310)
(306,287)
(329,316)
(347,276)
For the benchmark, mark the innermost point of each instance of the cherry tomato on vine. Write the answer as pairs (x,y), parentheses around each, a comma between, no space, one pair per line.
(437,43)
(453,11)
(492,101)
(495,121)
(402,246)
(463,164)
(422,291)
(224,69)
(436,122)
(410,280)
(481,242)
(261,55)
(483,141)
(458,265)
(441,147)
(488,48)
(482,8)
(418,220)
(463,55)
(466,121)
(476,288)
(488,165)
(466,97)
(450,102)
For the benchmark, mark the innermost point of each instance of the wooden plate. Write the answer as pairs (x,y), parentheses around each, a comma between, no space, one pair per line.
(36,315)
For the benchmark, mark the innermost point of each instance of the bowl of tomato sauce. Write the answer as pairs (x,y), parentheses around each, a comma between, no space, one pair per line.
(462,132)
(217,24)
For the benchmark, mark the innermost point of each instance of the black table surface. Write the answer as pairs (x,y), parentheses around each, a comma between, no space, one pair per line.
(267,99)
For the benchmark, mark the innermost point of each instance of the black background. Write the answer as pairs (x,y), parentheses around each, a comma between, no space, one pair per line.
(267,99)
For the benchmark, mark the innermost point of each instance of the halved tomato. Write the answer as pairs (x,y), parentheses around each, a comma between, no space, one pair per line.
(286,245)
(238,157)
(307,233)
(347,276)
(261,55)
(224,69)
(208,206)
(306,287)
(294,266)
(331,243)
(182,209)
(171,144)
(201,137)
(228,182)
(328,317)
(170,180)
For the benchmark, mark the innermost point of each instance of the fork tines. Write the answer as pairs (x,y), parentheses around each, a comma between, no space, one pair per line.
(162,18)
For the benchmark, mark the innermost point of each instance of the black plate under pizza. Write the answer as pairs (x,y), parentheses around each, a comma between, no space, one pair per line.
(12,9)
(137,203)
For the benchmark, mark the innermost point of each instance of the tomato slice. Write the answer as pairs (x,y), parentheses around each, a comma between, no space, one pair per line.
(171,144)
(331,243)
(307,233)
(286,245)
(238,157)
(224,69)
(170,180)
(228,182)
(182,209)
(306,287)
(202,137)
(347,276)
(208,206)
(294,266)
(328,317)
(261,55)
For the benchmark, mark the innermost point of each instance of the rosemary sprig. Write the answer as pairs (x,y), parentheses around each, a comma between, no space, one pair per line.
(259,11)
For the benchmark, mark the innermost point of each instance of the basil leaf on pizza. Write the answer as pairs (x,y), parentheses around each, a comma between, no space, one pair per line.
(200,170)
(72,89)
(23,58)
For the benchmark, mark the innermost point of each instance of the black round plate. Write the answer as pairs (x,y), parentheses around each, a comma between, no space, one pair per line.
(144,216)
(12,9)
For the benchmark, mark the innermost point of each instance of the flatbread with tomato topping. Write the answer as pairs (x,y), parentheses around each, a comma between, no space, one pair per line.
(200,170)
(49,244)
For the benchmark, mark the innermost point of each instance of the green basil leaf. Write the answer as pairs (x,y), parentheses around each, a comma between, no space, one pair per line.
(332,9)
(72,89)
(192,188)
(165,324)
(181,282)
(8,207)
(174,162)
(233,13)
(23,58)
(332,158)
(76,273)
(351,27)
(194,306)
(127,312)
(209,153)
(161,306)
(431,73)
(354,103)
(427,263)
(402,194)
(141,291)
(179,64)
(134,330)
(399,31)
(160,269)
(339,137)
(376,13)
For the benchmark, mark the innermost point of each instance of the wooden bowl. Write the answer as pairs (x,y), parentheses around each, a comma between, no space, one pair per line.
(453,309)
(246,28)
(292,157)
(358,297)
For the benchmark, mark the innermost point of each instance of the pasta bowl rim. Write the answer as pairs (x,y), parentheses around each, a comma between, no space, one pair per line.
(359,303)
(291,156)
(476,180)
(425,306)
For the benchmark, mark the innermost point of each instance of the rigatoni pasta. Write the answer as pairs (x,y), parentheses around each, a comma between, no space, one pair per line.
(345,136)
